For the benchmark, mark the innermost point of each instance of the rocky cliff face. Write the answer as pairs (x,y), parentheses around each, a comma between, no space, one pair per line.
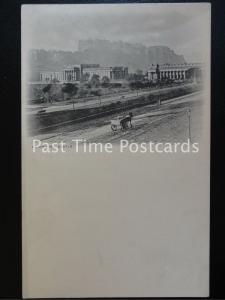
(106,53)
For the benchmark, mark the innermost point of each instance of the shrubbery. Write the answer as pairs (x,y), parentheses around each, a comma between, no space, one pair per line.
(47,88)
(70,89)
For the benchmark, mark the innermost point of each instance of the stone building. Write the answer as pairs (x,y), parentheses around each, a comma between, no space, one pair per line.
(175,72)
(48,76)
(74,73)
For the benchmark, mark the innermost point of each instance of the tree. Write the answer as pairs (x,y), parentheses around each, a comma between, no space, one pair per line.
(138,75)
(47,88)
(46,91)
(85,77)
(70,89)
(97,93)
(95,80)
(136,84)
(82,92)
(99,96)
(105,81)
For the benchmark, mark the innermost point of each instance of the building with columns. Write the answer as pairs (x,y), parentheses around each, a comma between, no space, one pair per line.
(174,72)
(48,76)
(119,73)
(74,73)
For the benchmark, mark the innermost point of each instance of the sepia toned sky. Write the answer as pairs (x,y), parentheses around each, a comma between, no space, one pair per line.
(182,27)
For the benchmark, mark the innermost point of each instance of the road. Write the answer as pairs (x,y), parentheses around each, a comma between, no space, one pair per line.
(169,122)
(34,109)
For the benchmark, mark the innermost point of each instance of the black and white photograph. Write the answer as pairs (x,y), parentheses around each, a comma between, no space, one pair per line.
(115,150)
(103,73)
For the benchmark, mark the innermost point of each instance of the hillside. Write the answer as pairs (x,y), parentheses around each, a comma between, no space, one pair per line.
(103,52)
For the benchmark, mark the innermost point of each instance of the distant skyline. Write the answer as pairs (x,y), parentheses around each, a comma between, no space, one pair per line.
(182,27)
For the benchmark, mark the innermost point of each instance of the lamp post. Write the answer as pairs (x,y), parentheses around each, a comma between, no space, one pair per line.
(189,123)
(159,101)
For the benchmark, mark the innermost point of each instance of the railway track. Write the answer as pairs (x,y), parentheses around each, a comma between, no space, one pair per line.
(108,112)
(142,124)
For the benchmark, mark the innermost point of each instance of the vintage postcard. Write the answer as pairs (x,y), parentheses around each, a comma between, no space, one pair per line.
(116,150)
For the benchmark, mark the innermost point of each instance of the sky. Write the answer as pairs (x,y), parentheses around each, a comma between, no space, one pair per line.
(185,28)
